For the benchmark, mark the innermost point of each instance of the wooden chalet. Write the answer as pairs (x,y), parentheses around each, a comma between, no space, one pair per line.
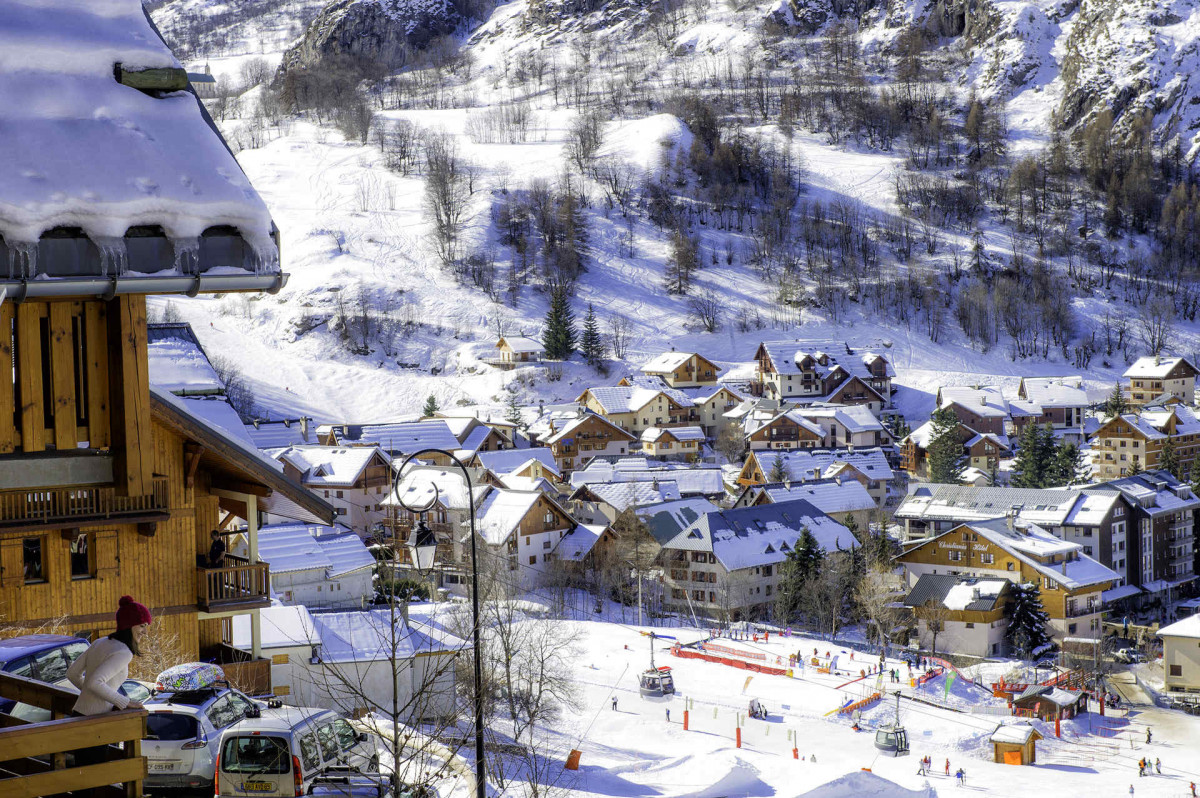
(1153,376)
(682,369)
(107,486)
(590,435)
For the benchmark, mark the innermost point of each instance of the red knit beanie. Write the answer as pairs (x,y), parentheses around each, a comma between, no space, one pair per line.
(130,613)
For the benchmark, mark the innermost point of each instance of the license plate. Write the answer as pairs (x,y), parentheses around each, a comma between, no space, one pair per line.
(159,767)
(258,786)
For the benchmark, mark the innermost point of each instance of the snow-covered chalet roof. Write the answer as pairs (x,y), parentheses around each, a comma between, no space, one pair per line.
(1154,367)
(690,433)
(178,362)
(855,418)
(1156,492)
(1188,627)
(327,466)
(828,496)
(303,547)
(1028,542)
(520,344)
(283,433)
(801,465)
(405,437)
(420,483)
(621,495)
(655,383)
(506,461)
(282,626)
(756,421)
(763,535)
(692,479)
(1015,734)
(82,150)
(501,513)
(579,542)
(667,362)
(956,592)
(366,636)
(986,402)
(668,519)
(786,357)
(568,430)
(1054,391)
(940,502)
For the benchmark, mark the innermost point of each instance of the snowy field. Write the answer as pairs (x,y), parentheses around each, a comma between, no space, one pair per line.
(636,751)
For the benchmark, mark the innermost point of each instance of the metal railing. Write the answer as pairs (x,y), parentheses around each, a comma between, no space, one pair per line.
(53,505)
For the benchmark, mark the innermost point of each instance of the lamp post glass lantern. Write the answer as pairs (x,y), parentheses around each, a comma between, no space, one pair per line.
(422,546)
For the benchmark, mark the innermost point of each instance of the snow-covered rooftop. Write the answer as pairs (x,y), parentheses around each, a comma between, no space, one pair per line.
(579,542)
(520,344)
(935,501)
(304,547)
(652,434)
(1014,733)
(405,437)
(1055,391)
(1030,543)
(1154,367)
(621,495)
(367,636)
(82,150)
(807,464)
(505,461)
(666,520)
(501,513)
(1188,627)
(327,465)
(283,626)
(986,402)
(667,362)
(828,496)
(178,364)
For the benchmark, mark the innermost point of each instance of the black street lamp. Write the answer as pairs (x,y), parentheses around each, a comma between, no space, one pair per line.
(422,545)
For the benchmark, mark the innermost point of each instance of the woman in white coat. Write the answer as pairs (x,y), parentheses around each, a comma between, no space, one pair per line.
(104,667)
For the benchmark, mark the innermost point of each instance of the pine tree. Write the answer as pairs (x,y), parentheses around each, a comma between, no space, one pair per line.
(1036,462)
(558,339)
(1027,620)
(945,451)
(590,343)
(512,412)
(796,572)
(1168,457)
(778,472)
(431,406)
(1069,465)
(1115,404)
(1194,477)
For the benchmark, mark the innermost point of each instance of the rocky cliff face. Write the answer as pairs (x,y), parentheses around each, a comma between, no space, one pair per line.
(382,33)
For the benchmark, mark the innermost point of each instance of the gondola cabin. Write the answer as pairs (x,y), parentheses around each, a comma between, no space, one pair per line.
(892,739)
(657,683)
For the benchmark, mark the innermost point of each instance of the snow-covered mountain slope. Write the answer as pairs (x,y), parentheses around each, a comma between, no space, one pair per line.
(356,234)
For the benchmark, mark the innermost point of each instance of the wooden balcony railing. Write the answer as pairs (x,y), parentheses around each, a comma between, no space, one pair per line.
(73,505)
(239,585)
(35,757)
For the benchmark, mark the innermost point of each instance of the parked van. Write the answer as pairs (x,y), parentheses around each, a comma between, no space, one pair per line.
(280,753)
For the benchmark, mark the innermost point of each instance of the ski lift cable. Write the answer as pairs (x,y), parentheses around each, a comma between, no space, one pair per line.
(600,708)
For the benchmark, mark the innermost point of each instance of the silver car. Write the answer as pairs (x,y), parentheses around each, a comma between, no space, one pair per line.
(184,732)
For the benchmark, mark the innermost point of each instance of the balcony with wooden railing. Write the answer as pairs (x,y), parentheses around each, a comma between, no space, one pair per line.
(36,758)
(80,505)
(239,585)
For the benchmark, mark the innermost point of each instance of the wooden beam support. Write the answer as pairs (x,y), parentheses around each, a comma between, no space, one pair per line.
(95,317)
(29,373)
(8,391)
(192,452)
(130,394)
(62,376)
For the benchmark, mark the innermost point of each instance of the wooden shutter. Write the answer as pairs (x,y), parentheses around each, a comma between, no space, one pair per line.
(106,553)
(12,563)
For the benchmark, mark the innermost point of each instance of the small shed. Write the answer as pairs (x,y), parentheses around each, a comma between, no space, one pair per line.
(518,349)
(1015,744)
(1050,703)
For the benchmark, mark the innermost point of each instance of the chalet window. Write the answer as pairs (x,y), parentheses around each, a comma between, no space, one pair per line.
(768,590)
(1010,566)
(83,563)
(339,494)
(341,510)
(987,558)
(545,544)
(956,556)
(970,626)
(35,564)
(766,570)
(533,559)
(1176,670)
(697,595)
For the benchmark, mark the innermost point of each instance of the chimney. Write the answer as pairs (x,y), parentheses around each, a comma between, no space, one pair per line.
(838,480)
(974,594)
(304,421)
(983,400)
(1064,566)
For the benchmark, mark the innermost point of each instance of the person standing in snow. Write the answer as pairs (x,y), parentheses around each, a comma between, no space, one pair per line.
(1141,767)
(614,705)
(1158,766)
(961,775)
(668,715)
(1148,735)
(1131,790)
(921,766)
(947,767)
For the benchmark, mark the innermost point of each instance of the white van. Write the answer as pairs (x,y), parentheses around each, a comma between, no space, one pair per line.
(280,753)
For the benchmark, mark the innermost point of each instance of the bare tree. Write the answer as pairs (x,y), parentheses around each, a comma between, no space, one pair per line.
(875,597)
(935,615)
(1156,323)
(706,308)
(620,331)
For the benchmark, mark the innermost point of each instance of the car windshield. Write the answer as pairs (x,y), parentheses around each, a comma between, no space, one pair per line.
(170,726)
(255,754)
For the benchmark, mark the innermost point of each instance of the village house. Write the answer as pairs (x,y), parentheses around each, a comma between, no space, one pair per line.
(868,466)
(980,409)
(782,431)
(673,443)
(682,369)
(968,613)
(442,492)
(1153,376)
(982,451)
(1070,582)
(475,436)
(317,566)
(517,350)
(584,550)
(333,659)
(1157,555)
(725,565)
(1134,442)
(1063,400)
(584,437)
(712,403)
(807,371)
(850,427)
(845,501)
(666,520)
(354,479)
(1181,655)
(635,407)
(520,529)
(516,461)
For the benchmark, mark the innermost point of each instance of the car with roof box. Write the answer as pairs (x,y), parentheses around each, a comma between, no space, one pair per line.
(283,752)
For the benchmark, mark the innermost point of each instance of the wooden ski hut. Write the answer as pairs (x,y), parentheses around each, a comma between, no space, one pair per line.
(1015,744)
